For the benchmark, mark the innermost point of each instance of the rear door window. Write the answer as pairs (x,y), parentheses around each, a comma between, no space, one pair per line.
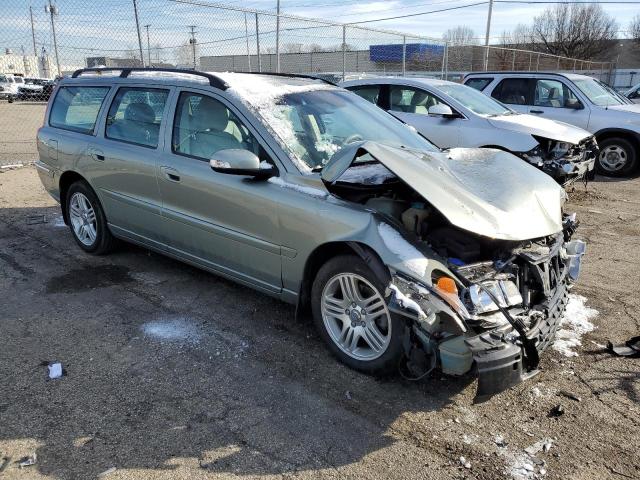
(77,108)
(135,115)
(552,93)
(514,91)
(368,92)
(478,83)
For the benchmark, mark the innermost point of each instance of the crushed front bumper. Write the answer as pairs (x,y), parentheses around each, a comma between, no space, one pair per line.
(574,165)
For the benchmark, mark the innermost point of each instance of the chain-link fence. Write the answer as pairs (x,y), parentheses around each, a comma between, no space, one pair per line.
(55,39)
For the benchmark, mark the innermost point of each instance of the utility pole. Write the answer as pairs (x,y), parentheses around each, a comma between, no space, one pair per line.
(33,33)
(135,12)
(192,41)
(53,10)
(486,38)
(148,46)
(278,37)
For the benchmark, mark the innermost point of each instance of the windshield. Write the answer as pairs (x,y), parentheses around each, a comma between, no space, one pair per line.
(315,124)
(18,79)
(598,93)
(474,100)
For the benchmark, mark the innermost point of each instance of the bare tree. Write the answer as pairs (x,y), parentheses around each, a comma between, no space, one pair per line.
(460,41)
(520,38)
(634,29)
(575,30)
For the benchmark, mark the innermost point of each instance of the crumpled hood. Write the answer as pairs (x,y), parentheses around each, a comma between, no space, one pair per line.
(539,126)
(489,192)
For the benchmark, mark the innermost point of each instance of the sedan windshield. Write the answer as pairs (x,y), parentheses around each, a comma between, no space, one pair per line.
(315,124)
(598,93)
(475,101)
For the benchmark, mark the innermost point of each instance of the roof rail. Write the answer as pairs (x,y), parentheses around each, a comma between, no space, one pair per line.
(294,75)
(214,81)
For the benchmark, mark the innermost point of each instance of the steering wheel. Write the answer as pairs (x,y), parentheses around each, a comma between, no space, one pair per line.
(356,137)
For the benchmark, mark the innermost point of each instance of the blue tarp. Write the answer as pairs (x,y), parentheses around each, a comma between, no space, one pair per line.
(393,52)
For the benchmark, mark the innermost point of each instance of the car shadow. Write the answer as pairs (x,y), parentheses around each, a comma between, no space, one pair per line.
(167,365)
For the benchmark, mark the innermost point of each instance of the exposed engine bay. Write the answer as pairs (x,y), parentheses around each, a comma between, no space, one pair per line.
(506,296)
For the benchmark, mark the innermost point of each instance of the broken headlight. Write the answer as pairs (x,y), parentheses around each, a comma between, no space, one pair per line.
(560,149)
(504,291)
(535,156)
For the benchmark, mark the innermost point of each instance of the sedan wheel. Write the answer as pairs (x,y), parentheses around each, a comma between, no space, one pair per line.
(617,157)
(87,220)
(613,158)
(356,316)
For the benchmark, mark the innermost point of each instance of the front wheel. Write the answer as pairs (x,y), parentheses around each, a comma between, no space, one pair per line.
(617,157)
(87,221)
(352,316)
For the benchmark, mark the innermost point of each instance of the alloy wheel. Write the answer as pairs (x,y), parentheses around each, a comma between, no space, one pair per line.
(83,219)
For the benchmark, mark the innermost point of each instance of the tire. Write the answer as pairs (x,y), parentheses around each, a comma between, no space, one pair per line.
(370,320)
(90,231)
(617,157)
(10,99)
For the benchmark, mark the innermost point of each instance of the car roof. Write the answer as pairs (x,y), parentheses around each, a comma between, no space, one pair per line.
(569,75)
(398,81)
(180,77)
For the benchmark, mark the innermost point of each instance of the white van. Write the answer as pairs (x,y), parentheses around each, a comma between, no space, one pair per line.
(8,86)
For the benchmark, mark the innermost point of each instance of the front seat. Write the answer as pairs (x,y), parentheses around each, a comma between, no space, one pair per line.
(208,125)
(421,101)
(554,97)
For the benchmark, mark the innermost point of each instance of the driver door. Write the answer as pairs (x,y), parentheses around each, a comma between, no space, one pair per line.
(226,223)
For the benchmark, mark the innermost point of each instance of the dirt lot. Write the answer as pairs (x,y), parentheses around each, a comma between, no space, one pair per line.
(174,373)
(18,124)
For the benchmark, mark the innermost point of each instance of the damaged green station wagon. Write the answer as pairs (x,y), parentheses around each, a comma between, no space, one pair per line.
(407,256)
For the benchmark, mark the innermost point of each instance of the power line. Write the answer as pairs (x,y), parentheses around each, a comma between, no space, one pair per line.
(420,13)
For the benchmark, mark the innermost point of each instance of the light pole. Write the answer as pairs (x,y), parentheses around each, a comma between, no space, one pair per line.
(148,46)
(53,10)
(192,41)
(33,33)
(486,38)
(135,13)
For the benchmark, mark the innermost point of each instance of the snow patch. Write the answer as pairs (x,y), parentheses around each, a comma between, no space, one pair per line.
(406,302)
(575,322)
(372,174)
(172,330)
(59,222)
(410,256)
(315,192)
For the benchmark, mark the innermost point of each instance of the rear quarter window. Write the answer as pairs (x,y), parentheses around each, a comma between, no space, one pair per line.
(478,83)
(77,108)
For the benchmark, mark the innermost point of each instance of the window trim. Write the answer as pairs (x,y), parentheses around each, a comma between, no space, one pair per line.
(94,130)
(113,99)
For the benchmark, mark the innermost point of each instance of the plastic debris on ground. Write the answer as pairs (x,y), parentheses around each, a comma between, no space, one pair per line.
(36,219)
(107,472)
(28,461)
(575,322)
(55,370)
(172,330)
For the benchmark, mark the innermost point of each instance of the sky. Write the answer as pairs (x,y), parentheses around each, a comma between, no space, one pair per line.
(107,27)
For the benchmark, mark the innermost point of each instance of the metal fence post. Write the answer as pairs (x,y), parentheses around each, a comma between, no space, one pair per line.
(344,51)
(404,55)
(538,63)
(258,44)
(446,61)
(278,38)
(513,61)
(530,60)
(246,34)
(558,67)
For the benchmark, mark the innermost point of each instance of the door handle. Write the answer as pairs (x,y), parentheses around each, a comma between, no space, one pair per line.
(170,174)
(536,111)
(96,154)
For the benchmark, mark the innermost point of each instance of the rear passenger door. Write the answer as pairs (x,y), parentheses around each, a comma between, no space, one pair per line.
(123,160)
(227,223)
(515,92)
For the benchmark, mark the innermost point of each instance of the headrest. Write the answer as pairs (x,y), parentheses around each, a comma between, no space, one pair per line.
(210,115)
(396,96)
(140,112)
(419,98)
(554,93)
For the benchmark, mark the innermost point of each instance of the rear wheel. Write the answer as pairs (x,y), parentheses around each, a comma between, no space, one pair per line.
(352,316)
(87,221)
(617,157)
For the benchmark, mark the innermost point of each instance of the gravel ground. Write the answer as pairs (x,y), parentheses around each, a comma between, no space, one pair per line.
(18,124)
(173,373)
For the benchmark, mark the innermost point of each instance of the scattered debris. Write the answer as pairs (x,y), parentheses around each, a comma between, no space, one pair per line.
(569,395)
(59,222)
(172,330)
(631,348)
(535,391)
(347,395)
(4,461)
(457,420)
(28,461)
(465,463)
(55,370)
(543,445)
(11,166)
(36,219)
(557,411)
(500,441)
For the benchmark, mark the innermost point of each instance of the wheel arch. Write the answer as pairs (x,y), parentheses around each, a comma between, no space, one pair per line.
(67,179)
(629,135)
(324,253)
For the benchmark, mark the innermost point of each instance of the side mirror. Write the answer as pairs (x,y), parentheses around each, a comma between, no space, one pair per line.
(573,103)
(236,161)
(441,110)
